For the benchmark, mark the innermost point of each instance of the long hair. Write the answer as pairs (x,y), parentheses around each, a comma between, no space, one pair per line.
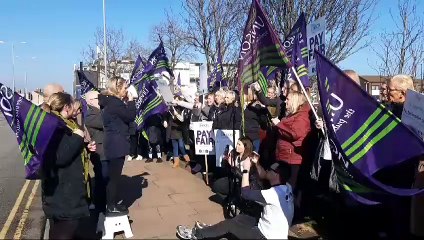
(57,101)
(248,147)
(114,86)
(295,100)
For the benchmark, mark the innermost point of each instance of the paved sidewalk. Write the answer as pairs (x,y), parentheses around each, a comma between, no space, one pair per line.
(160,198)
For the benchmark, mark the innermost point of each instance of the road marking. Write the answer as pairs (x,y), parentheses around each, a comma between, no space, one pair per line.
(24,216)
(12,213)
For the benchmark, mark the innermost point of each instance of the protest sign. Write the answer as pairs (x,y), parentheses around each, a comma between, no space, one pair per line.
(413,112)
(315,32)
(224,143)
(204,139)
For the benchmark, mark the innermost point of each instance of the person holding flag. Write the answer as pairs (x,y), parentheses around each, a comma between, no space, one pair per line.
(64,173)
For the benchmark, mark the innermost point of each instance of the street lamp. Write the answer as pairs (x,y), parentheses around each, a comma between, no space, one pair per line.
(13,61)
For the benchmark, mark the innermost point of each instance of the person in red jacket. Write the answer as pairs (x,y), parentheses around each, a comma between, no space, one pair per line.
(292,131)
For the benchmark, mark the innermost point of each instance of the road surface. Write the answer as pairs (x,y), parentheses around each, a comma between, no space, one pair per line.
(20,205)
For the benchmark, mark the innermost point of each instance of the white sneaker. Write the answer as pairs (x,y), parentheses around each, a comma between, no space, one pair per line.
(139,158)
(129,158)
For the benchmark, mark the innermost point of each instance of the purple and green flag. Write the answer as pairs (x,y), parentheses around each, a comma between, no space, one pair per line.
(298,31)
(299,64)
(139,65)
(149,102)
(215,78)
(364,136)
(32,126)
(260,47)
(157,63)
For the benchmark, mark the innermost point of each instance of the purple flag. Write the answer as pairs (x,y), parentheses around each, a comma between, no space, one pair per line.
(139,65)
(149,102)
(299,64)
(85,84)
(260,47)
(32,126)
(299,31)
(362,135)
(215,78)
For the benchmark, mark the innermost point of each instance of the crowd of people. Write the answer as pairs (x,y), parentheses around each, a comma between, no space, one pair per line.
(267,175)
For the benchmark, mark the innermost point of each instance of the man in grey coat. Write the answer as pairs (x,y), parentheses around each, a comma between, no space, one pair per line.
(94,124)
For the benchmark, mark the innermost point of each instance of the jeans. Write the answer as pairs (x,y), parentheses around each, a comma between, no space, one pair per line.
(112,170)
(178,144)
(256,144)
(241,226)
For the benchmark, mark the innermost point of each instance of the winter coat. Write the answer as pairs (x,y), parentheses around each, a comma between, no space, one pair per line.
(117,117)
(278,103)
(64,193)
(175,125)
(292,132)
(154,128)
(255,118)
(228,118)
(94,124)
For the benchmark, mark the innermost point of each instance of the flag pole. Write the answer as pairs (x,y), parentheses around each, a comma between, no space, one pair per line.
(104,39)
(304,92)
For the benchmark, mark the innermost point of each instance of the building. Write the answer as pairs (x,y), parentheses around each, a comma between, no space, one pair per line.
(372,83)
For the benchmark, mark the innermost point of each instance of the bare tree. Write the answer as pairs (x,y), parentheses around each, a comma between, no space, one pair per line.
(348,22)
(115,49)
(135,48)
(174,39)
(401,49)
(213,22)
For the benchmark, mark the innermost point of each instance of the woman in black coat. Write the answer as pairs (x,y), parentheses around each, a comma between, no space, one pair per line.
(64,189)
(228,117)
(118,111)
(255,118)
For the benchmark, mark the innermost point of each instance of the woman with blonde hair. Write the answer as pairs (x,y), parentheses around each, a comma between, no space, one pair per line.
(255,118)
(229,115)
(118,112)
(65,172)
(292,132)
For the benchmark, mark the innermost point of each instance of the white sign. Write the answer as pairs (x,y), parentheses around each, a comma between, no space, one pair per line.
(413,112)
(224,143)
(315,33)
(204,138)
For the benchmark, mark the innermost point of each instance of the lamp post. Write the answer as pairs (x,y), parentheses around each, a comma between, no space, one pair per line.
(13,61)
(104,39)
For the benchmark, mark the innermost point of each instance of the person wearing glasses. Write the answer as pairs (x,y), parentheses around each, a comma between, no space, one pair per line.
(118,112)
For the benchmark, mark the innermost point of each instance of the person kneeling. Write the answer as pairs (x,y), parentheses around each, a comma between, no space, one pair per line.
(277,214)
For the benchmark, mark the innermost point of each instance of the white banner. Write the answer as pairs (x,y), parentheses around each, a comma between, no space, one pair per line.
(315,34)
(204,139)
(413,112)
(224,143)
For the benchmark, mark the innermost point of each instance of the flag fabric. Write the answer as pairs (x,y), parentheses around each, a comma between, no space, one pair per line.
(362,134)
(260,47)
(32,126)
(298,30)
(215,78)
(85,84)
(149,102)
(157,63)
(299,64)
(139,65)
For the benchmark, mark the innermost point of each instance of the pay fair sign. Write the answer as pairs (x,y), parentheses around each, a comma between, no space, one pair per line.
(204,138)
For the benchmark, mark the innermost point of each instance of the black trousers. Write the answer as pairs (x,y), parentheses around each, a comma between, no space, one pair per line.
(114,175)
(155,149)
(63,229)
(241,227)
(134,145)
(99,183)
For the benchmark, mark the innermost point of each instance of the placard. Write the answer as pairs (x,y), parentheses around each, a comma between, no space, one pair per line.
(315,33)
(413,112)
(224,143)
(204,138)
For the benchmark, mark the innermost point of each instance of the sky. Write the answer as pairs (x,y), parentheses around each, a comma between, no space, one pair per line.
(56,32)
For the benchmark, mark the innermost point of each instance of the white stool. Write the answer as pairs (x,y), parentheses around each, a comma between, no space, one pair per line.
(110,225)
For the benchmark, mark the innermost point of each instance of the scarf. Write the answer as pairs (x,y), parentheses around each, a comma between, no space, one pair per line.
(72,125)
